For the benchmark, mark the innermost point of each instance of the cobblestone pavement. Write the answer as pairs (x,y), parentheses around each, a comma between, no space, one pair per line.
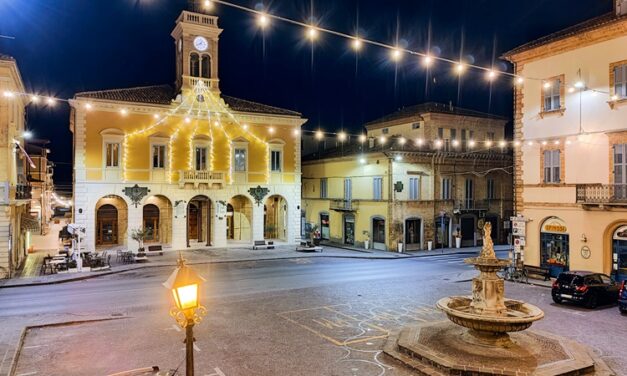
(305,316)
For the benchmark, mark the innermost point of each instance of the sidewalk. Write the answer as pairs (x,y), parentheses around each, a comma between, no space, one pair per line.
(224,255)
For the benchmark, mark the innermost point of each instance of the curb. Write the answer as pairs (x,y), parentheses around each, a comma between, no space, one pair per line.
(145,266)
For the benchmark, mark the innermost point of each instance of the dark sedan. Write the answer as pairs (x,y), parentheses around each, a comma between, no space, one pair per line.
(587,288)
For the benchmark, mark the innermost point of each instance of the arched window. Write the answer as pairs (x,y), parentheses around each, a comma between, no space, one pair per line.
(205,66)
(194,65)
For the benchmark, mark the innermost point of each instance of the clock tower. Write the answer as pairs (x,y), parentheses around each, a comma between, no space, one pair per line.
(196,38)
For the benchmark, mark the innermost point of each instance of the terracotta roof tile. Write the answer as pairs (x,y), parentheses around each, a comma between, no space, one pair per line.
(164,94)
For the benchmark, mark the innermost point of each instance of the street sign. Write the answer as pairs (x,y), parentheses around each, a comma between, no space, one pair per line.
(519,242)
(518,226)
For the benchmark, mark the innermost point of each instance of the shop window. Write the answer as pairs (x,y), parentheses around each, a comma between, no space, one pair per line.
(554,246)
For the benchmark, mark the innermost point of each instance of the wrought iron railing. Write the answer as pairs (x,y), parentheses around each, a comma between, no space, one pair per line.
(23,192)
(602,193)
(344,205)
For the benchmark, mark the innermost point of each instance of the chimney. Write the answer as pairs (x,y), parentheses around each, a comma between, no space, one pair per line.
(620,7)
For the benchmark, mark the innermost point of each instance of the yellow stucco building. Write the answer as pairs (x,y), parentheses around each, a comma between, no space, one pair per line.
(429,173)
(189,165)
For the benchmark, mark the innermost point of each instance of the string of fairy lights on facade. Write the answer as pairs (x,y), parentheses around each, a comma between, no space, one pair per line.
(357,43)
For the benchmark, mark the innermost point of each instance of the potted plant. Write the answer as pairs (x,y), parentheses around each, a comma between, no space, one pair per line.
(397,228)
(139,235)
(458,239)
(366,239)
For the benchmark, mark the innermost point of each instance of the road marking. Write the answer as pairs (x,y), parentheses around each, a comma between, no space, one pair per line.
(176,327)
(196,348)
(28,373)
(218,372)
(33,346)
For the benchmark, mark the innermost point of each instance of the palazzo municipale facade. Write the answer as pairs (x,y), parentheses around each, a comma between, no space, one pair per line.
(571,169)
(187,164)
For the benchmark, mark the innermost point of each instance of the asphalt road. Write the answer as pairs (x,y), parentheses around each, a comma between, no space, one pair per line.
(286,317)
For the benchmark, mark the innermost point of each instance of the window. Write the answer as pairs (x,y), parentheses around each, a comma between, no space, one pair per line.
(440,133)
(324,183)
(113,154)
(620,80)
(205,66)
(240,160)
(552,95)
(385,131)
(377,188)
(158,156)
(551,166)
(490,190)
(620,171)
(348,189)
(275,160)
(453,134)
(201,158)
(489,136)
(415,125)
(414,188)
(446,188)
(194,65)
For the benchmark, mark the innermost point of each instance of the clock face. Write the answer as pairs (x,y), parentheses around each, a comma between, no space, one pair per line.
(201,43)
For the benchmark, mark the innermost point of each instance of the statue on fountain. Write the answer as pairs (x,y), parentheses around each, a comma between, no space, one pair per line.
(488,246)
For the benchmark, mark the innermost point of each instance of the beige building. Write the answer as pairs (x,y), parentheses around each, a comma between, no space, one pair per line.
(571,169)
(40,179)
(15,191)
(425,174)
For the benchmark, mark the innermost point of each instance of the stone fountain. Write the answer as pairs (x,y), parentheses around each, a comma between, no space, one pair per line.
(477,339)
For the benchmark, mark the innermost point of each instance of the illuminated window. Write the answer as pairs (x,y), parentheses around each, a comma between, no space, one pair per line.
(113,155)
(158,156)
(240,160)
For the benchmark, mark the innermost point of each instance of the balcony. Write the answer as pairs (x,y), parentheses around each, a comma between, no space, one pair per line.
(200,84)
(344,205)
(23,192)
(211,179)
(198,19)
(602,194)
(472,205)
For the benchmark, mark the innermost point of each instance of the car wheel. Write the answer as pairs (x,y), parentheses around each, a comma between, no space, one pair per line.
(557,299)
(591,302)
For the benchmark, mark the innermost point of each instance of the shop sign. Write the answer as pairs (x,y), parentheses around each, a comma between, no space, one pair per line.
(621,233)
(554,226)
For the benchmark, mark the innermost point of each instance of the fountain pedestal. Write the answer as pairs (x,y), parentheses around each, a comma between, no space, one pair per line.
(476,341)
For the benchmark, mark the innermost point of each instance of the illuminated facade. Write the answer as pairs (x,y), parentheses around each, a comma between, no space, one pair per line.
(194,156)
(571,174)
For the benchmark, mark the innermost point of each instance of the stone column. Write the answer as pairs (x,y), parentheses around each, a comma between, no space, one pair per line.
(179,226)
(257,223)
(218,228)
(135,215)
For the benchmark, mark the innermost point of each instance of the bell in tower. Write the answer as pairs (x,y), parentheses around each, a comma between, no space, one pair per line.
(196,36)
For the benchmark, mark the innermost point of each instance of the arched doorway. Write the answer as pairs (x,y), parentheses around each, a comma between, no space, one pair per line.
(111,221)
(239,214)
(275,218)
(619,254)
(151,223)
(554,246)
(199,221)
(157,219)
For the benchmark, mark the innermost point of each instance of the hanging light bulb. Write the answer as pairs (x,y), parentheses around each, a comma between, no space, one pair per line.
(488,143)
(402,141)
(124,112)
(271,130)
(362,160)
(568,142)
(263,20)
(491,74)
(502,143)
(319,135)
(312,33)
(382,140)
(544,143)
(245,126)
(8,94)
(208,4)
(50,101)
(529,143)
(556,142)
(471,143)
(516,143)
(296,132)
(520,80)
(455,143)
(438,143)
(357,44)
(459,68)
(396,54)
(420,141)
(580,84)
(362,138)
(427,61)
(156,116)
(547,85)
(398,158)
(34,98)
(571,89)
(88,106)
(188,120)
(341,136)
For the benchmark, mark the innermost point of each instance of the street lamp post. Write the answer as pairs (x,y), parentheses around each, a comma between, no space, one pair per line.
(184,283)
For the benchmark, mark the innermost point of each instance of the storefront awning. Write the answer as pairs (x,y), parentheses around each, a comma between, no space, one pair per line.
(30,224)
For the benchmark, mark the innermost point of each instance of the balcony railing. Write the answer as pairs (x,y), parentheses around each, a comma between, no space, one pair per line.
(611,194)
(200,84)
(199,19)
(344,205)
(471,204)
(210,178)
(23,192)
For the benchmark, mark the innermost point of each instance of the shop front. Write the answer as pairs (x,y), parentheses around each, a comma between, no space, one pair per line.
(349,229)
(554,248)
(619,254)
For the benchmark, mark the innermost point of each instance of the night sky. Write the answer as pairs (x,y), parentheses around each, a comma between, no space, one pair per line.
(67,46)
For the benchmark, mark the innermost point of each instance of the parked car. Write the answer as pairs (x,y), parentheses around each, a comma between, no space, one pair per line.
(587,288)
(622,297)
